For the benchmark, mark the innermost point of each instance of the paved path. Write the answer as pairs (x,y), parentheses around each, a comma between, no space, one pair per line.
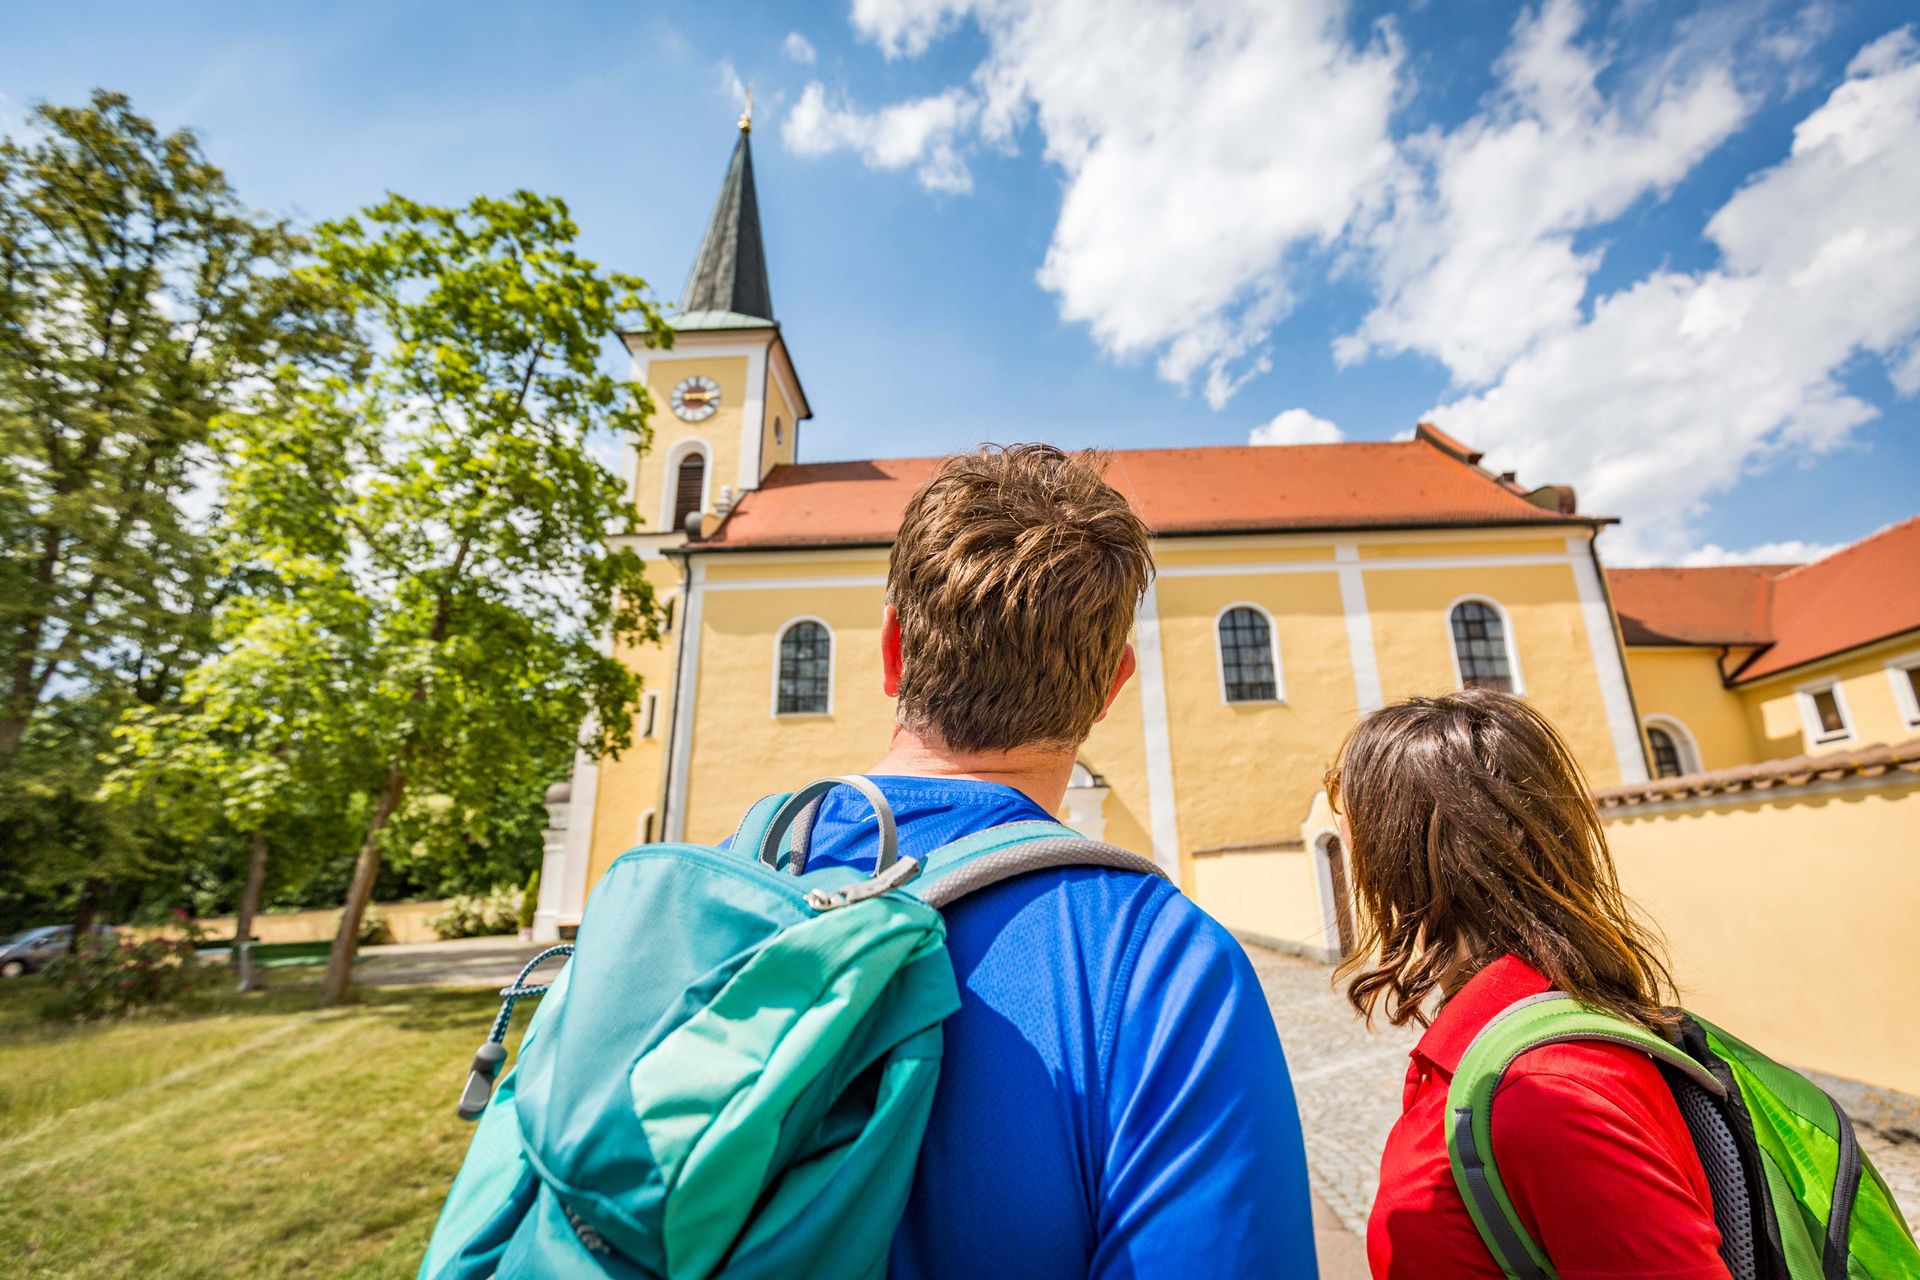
(1348,1082)
(466,962)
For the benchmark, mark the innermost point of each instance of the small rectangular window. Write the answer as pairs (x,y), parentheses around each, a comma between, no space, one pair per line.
(1826,717)
(650,710)
(1912,674)
(1904,673)
(646,830)
(666,618)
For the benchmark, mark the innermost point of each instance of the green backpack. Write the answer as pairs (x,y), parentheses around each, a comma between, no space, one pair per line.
(732,1074)
(1793,1196)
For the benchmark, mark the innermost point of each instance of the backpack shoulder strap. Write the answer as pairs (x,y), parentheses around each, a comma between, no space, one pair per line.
(1550,1018)
(973,862)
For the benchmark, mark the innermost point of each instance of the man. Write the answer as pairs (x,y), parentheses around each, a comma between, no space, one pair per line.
(1113,1100)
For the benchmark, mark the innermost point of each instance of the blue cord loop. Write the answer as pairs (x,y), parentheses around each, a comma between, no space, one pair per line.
(492,1053)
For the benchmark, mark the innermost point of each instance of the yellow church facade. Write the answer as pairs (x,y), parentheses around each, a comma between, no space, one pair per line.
(1296,588)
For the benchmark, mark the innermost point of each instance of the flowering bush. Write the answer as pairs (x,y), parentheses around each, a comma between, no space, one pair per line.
(374,929)
(106,978)
(470,915)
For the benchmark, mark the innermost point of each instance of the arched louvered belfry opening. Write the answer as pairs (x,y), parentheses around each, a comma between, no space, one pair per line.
(689,485)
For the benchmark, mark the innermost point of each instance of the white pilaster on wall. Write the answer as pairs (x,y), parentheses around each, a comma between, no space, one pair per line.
(1608,661)
(553,871)
(685,696)
(572,898)
(753,421)
(1353,603)
(1162,819)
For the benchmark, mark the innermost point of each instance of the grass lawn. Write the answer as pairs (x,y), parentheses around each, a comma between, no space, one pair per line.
(244,1136)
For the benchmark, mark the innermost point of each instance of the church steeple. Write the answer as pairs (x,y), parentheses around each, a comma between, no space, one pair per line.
(728,288)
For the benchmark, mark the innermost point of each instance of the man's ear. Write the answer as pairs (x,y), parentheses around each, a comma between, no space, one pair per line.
(890,653)
(1120,678)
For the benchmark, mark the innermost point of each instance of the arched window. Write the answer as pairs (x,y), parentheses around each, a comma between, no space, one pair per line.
(1666,754)
(1671,747)
(689,485)
(1248,672)
(804,681)
(1480,647)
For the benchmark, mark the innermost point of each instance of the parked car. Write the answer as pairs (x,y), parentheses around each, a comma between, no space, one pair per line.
(34,949)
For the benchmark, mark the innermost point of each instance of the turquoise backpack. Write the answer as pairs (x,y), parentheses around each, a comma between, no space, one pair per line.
(731,1075)
(1793,1196)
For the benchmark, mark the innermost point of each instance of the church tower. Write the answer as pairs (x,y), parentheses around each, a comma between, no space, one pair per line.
(727,403)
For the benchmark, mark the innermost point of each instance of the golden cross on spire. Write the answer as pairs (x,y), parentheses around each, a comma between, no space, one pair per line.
(746,117)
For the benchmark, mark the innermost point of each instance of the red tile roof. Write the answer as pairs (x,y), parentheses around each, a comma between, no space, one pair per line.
(1795,613)
(1727,604)
(1223,489)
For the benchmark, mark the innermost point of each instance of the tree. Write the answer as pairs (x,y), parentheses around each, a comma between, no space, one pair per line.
(138,300)
(476,522)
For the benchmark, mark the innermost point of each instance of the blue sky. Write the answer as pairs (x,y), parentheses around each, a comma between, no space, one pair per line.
(1582,237)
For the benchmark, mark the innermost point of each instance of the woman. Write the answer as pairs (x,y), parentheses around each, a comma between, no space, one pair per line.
(1482,878)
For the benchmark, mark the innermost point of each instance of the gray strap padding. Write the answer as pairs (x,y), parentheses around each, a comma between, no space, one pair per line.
(1846,1186)
(1033,855)
(802,848)
(769,851)
(1511,1251)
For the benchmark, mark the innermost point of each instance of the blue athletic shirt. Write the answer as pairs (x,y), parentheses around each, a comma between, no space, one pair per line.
(1113,1101)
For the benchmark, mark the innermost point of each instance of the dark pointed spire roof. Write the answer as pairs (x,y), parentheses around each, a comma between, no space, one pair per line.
(728,288)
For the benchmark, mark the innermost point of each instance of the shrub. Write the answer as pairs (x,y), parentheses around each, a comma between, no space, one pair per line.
(470,915)
(374,929)
(530,900)
(106,978)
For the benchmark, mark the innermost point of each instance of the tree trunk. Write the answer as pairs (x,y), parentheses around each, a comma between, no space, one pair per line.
(249,908)
(365,868)
(83,913)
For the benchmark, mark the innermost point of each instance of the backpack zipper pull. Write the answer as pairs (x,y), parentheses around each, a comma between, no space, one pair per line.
(479,1090)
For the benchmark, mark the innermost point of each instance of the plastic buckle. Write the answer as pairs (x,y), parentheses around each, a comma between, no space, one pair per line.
(479,1090)
(902,871)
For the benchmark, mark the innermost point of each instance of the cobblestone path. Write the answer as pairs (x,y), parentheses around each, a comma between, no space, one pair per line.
(1348,1084)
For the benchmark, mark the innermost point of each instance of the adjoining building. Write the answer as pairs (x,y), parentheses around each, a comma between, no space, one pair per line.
(1738,664)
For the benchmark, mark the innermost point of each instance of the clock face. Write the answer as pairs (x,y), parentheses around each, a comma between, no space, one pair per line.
(696,397)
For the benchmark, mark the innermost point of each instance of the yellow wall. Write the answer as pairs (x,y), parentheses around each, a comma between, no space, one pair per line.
(1684,684)
(1790,917)
(772,452)
(1269,895)
(1247,771)
(1774,711)
(1411,639)
(630,784)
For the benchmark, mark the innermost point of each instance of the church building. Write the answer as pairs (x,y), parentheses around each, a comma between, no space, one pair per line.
(1297,587)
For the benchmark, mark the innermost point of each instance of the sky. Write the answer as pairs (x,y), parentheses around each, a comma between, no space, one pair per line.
(1665,253)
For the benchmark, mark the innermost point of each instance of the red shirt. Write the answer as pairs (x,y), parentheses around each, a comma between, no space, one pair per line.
(1589,1142)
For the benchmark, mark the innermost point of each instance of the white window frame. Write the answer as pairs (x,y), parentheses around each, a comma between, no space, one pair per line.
(1810,715)
(833,664)
(670,484)
(1682,741)
(1903,696)
(1506,633)
(1273,645)
(649,714)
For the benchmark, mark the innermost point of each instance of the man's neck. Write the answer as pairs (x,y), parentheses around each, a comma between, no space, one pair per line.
(1041,774)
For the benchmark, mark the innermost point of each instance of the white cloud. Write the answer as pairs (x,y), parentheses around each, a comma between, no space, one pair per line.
(1201,143)
(798,49)
(1793,551)
(1474,258)
(1295,426)
(1678,385)
(918,134)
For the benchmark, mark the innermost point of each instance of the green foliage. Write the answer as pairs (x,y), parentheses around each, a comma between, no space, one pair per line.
(107,978)
(484,915)
(139,300)
(530,900)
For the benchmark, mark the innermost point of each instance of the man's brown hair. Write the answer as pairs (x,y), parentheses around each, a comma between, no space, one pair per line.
(1474,836)
(1015,576)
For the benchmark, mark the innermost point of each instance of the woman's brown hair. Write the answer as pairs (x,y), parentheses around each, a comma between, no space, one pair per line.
(1474,836)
